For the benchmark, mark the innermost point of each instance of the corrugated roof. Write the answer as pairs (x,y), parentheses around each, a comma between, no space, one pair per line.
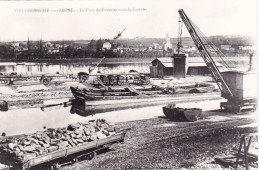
(164,60)
(200,64)
(196,65)
(192,62)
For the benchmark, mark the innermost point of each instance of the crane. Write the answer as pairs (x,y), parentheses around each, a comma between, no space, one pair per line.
(83,76)
(119,34)
(229,90)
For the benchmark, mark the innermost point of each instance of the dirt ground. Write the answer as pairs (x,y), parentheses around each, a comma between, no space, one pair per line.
(155,144)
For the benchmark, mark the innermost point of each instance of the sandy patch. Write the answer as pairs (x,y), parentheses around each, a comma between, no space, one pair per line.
(31,88)
(164,125)
(6,90)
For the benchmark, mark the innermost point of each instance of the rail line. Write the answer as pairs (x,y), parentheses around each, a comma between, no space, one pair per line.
(192,130)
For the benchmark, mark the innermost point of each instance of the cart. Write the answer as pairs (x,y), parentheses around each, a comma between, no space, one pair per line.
(71,155)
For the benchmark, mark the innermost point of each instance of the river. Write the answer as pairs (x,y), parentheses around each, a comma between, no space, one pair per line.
(110,65)
(22,121)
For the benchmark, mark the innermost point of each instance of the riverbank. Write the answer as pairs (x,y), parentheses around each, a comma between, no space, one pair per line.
(158,143)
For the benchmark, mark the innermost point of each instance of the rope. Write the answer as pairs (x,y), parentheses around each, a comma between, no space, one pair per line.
(209,45)
(179,44)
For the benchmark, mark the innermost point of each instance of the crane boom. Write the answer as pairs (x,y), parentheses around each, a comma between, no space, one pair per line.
(205,54)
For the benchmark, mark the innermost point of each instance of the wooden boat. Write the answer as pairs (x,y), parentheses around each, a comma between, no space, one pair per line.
(182,114)
(82,95)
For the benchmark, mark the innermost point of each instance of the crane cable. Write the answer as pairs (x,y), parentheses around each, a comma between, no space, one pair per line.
(209,43)
(179,44)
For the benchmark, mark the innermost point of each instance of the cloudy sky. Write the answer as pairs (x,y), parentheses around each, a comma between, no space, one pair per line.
(157,18)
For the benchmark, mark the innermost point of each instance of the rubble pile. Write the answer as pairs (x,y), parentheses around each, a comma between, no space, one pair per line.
(43,142)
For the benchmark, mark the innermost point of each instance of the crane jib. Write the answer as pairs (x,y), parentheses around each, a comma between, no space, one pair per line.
(201,46)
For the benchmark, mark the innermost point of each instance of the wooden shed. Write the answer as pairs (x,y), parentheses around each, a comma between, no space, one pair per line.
(161,67)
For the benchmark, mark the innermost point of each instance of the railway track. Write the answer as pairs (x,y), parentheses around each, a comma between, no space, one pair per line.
(199,129)
(193,129)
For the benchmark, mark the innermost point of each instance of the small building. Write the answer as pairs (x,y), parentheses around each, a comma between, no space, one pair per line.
(161,67)
(150,48)
(165,67)
(156,46)
(15,44)
(247,48)
(107,46)
(48,44)
(225,47)
(139,49)
(121,49)
(53,50)
(190,49)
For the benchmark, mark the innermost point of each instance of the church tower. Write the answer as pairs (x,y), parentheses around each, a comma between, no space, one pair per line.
(168,44)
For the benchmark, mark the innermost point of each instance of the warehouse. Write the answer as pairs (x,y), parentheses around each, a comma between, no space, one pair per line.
(162,67)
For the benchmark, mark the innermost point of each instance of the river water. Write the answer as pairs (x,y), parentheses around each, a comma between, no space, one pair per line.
(70,68)
(22,121)
(32,68)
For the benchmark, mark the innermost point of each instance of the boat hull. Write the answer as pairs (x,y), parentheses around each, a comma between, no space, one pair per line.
(81,95)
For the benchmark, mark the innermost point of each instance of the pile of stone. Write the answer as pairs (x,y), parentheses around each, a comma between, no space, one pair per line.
(51,140)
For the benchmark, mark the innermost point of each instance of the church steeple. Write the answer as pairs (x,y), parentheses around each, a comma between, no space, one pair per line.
(168,44)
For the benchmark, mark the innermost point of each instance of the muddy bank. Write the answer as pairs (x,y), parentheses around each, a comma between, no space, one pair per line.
(152,144)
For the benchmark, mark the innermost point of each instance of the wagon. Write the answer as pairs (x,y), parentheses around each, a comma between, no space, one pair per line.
(54,159)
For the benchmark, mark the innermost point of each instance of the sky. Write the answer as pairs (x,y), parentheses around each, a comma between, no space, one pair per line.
(156,19)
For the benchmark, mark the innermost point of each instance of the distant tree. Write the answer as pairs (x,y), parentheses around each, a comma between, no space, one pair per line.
(69,51)
(99,45)
(92,44)
(110,54)
(6,51)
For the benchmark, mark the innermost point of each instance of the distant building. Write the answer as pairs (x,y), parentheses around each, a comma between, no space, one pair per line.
(58,45)
(48,44)
(121,49)
(247,48)
(232,49)
(139,48)
(225,47)
(168,44)
(15,44)
(189,49)
(53,50)
(156,46)
(107,46)
(164,67)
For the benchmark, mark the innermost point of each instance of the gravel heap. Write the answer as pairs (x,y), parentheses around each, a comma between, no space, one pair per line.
(51,140)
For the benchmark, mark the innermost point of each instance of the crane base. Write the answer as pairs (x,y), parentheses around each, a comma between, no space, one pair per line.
(237,107)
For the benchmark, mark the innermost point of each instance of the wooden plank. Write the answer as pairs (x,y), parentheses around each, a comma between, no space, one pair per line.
(132,90)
